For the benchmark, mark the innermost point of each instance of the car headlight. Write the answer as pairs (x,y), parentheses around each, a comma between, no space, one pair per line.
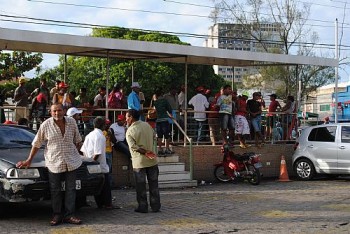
(16,173)
(93,169)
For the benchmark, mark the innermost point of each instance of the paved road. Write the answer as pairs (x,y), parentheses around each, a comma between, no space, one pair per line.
(320,206)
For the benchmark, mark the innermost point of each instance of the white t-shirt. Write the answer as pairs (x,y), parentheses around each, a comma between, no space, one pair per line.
(200,103)
(98,98)
(119,132)
(94,144)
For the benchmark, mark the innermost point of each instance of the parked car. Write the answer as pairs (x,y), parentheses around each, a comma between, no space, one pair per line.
(322,149)
(20,185)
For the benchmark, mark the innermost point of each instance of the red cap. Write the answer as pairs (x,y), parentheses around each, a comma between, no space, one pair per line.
(200,89)
(63,85)
(121,118)
(107,121)
(207,91)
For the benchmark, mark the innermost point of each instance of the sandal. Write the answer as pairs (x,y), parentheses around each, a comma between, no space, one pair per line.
(55,220)
(72,220)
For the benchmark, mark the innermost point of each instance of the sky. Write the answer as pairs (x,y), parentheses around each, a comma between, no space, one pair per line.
(180,16)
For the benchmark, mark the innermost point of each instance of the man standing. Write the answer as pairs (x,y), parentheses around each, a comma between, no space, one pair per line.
(62,159)
(133,98)
(227,122)
(140,137)
(255,109)
(94,148)
(200,104)
(21,99)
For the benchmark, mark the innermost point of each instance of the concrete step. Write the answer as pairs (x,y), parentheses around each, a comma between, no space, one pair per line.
(174,175)
(177,183)
(164,167)
(168,159)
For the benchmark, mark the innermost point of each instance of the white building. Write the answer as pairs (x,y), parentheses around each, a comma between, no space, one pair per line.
(236,37)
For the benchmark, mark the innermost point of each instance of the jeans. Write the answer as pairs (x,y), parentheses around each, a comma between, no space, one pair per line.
(105,196)
(57,195)
(256,123)
(141,193)
(200,125)
(123,147)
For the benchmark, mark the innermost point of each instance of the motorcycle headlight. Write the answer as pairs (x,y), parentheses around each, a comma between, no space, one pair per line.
(16,173)
(94,169)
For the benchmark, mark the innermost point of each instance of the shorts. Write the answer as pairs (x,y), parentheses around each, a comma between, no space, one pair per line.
(256,123)
(163,129)
(226,121)
(242,126)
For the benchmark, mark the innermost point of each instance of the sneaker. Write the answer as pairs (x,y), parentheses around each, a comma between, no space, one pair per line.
(168,151)
(243,146)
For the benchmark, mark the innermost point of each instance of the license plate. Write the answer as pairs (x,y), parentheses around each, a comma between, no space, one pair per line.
(77,185)
(257,165)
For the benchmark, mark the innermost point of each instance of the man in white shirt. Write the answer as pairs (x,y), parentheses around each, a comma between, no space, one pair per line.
(118,136)
(94,148)
(200,104)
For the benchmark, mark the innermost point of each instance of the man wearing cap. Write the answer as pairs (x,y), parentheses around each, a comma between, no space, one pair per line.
(200,104)
(133,98)
(271,116)
(118,136)
(21,99)
(74,113)
(62,96)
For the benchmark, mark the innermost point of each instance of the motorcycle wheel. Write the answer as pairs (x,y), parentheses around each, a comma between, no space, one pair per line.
(255,177)
(220,174)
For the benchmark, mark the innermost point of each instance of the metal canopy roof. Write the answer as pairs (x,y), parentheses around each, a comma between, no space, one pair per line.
(33,41)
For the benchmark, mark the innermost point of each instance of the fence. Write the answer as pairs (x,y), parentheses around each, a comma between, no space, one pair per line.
(277,127)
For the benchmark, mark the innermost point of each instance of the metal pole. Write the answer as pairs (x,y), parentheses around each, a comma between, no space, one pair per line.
(185,115)
(336,72)
(132,71)
(233,78)
(107,84)
(65,69)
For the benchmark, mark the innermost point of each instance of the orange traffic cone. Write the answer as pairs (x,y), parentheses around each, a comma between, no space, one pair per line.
(283,171)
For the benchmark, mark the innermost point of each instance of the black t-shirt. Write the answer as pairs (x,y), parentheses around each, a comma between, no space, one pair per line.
(253,105)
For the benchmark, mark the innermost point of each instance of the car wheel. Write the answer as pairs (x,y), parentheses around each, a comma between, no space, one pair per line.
(304,169)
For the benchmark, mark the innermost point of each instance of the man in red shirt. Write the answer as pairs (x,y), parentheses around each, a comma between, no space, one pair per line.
(242,126)
(271,117)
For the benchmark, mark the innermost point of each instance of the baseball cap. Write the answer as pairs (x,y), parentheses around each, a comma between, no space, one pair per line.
(135,85)
(107,121)
(72,111)
(63,85)
(121,118)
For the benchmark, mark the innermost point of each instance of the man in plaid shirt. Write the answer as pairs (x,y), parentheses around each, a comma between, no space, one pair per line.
(62,158)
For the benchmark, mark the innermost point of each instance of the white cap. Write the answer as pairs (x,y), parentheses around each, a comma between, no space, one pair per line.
(72,111)
(135,85)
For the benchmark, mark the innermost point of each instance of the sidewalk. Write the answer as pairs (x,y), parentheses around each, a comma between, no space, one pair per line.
(320,206)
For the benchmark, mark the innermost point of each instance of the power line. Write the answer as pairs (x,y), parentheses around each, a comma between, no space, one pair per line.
(21,19)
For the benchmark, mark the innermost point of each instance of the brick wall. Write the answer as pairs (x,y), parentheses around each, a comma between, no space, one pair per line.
(204,158)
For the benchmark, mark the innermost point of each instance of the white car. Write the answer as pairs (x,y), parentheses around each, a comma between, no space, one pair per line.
(322,149)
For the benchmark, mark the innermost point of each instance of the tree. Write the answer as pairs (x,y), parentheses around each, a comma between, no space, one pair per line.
(13,65)
(288,29)
(91,72)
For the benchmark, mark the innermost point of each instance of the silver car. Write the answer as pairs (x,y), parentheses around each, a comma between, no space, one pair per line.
(322,149)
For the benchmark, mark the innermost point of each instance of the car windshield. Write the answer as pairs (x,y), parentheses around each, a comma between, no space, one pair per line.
(11,137)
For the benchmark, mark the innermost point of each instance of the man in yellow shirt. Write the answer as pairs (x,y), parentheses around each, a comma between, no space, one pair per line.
(140,138)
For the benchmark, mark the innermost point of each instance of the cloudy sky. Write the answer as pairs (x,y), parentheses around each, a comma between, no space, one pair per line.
(178,16)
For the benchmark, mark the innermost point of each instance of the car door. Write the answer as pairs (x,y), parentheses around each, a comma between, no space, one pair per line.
(344,150)
(322,148)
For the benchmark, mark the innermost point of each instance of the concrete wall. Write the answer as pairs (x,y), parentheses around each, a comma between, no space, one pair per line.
(204,158)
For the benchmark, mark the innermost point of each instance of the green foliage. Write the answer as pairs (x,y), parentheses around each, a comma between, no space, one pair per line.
(13,65)
(91,72)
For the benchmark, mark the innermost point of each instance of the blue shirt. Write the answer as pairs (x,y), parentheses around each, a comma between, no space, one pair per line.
(134,101)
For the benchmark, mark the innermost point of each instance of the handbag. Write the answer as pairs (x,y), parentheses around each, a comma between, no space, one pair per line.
(152,112)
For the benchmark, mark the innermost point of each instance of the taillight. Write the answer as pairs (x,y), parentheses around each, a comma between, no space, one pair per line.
(296,144)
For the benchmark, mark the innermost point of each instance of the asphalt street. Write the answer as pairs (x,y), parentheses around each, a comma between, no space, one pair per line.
(319,206)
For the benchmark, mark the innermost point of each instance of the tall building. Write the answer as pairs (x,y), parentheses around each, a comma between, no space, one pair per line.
(239,37)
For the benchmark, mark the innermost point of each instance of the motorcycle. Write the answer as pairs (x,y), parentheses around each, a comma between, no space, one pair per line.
(235,166)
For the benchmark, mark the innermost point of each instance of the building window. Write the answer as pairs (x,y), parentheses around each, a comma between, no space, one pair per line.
(326,107)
